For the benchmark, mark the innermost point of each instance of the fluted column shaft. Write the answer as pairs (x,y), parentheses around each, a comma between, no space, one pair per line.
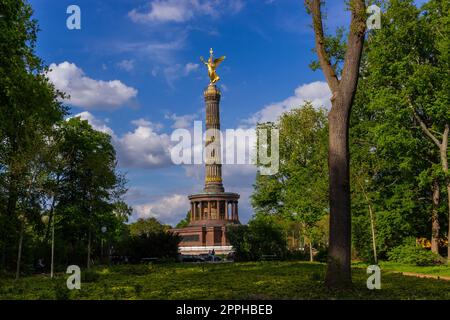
(213,168)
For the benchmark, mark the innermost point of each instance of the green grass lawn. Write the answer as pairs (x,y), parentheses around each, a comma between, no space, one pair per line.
(252,280)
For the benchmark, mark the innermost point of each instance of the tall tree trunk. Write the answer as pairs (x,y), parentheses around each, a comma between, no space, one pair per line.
(89,251)
(443,149)
(339,251)
(52,227)
(10,226)
(435,218)
(343,91)
(448,233)
(3,259)
(52,258)
(372,227)
(444,162)
(14,177)
(311,258)
(12,196)
(22,229)
(19,250)
(101,251)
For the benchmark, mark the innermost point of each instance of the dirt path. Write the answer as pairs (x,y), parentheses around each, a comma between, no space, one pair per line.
(421,275)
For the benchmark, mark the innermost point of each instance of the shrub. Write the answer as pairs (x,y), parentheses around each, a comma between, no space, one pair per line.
(162,245)
(316,276)
(362,247)
(297,255)
(410,253)
(89,276)
(138,288)
(135,270)
(60,291)
(262,236)
(322,254)
(50,295)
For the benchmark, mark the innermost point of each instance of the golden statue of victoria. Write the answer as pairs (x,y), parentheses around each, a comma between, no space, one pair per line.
(212,65)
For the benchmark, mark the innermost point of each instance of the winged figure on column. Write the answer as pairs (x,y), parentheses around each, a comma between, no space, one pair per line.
(212,65)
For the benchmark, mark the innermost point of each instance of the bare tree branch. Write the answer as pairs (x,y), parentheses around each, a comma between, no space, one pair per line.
(355,43)
(424,127)
(444,147)
(324,59)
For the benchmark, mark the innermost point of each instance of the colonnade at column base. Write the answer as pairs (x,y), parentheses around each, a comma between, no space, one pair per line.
(210,215)
(210,207)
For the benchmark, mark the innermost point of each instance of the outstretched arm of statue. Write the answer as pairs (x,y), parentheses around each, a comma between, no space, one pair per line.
(203,60)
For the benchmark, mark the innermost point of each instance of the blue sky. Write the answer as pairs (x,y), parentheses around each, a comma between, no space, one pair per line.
(133,71)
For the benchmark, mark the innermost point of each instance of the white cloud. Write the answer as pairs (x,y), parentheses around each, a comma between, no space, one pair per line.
(161,56)
(168,209)
(181,122)
(190,67)
(135,194)
(145,123)
(144,147)
(159,51)
(177,71)
(127,65)
(163,51)
(161,11)
(195,171)
(316,92)
(87,92)
(97,124)
(224,87)
(235,6)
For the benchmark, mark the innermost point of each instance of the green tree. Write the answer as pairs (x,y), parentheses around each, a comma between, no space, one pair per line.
(298,192)
(29,109)
(264,235)
(146,226)
(406,98)
(148,238)
(303,153)
(184,222)
(90,187)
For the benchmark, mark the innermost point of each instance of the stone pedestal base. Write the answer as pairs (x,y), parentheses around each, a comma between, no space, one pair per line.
(205,233)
